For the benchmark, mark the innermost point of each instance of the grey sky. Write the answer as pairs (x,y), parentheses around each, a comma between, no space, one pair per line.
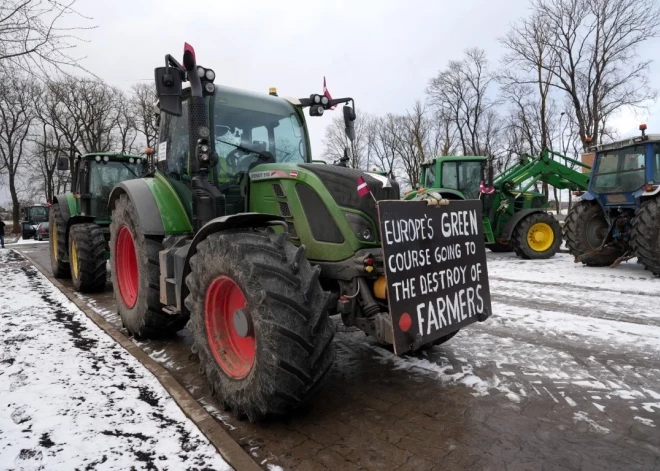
(381,53)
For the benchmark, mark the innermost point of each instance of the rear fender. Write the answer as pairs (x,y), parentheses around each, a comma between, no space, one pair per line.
(158,208)
(513,222)
(223,223)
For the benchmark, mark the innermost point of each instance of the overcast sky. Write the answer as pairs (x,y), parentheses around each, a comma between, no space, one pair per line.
(381,53)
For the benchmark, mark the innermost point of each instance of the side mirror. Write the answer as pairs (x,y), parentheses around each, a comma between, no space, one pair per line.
(168,89)
(62,163)
(349,118)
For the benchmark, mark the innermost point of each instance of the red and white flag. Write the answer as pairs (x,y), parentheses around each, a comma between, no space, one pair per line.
(486,190)
(327,93)
(362,188)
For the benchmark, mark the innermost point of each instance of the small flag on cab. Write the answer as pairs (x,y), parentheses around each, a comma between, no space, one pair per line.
(327,93)
(363,189)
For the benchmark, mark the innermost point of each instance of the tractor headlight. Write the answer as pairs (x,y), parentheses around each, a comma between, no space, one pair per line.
(131,160)
(361,227)
(106,158)
(97,158)
(210,75)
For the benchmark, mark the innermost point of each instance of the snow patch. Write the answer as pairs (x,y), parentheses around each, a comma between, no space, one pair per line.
(644,420)
(584,417)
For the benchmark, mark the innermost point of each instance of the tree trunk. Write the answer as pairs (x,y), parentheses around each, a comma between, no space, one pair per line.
(16,209)
(557,202)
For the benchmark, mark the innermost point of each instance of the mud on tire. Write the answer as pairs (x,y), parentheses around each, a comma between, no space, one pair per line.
(90,247)
(58,250)
(293,334)
(520,243)
(146,317)
(644,237)
(584,222)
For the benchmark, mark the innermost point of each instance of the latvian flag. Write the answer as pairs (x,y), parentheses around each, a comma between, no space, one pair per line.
(363,188)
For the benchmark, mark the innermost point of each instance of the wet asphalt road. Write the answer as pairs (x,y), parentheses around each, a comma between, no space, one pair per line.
(565,375)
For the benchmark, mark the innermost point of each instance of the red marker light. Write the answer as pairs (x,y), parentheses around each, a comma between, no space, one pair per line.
(405,322)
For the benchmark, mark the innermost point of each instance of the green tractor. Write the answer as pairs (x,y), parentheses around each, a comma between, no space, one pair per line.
(515,219)
(31,217)
(79,220)
(241,237)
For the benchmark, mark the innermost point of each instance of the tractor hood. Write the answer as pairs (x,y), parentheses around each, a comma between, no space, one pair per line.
(342,183)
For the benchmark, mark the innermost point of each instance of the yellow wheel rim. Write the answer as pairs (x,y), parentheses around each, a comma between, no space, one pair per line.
(540,237)
(53,243)
(74,258)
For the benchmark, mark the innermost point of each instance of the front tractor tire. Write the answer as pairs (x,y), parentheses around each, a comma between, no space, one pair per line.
(260,324)
(135,274)
(644,237)
(585,229)
(536,237)
(58,250)
(87,258)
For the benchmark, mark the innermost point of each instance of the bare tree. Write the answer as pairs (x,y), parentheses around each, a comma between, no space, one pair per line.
(143,99)
(461,92)
(593,47)
(16,119)
(335,140)
(385,135)
(36,36)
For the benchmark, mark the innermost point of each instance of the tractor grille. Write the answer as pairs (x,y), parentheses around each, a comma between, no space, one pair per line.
(284,209)
(321,223)
(292,230)
(341,182)
(278,190)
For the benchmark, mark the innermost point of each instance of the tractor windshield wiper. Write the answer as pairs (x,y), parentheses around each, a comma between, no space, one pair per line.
(130,169)
(245,149)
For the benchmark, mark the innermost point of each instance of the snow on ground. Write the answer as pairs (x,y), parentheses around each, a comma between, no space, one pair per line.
(22,241)
(582,337)
(73,398)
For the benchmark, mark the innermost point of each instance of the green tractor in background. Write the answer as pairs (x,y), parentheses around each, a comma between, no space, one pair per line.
(515,219)
(79,220)
(31,217)
(241,237)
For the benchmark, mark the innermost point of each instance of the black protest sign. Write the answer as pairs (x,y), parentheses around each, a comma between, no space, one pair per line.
(435,264)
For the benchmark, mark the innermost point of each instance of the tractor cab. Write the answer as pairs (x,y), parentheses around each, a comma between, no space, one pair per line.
(97,174)
(31,217)
(461,175)
(625,172)
(246,129)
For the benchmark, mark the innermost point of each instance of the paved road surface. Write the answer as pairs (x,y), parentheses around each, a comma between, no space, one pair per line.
(565,375)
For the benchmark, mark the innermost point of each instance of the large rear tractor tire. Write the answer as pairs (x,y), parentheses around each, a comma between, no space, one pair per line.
(59,257)
(584,229)
(537,236)
(644,237)
(260,324)
(135,274)
(87,258)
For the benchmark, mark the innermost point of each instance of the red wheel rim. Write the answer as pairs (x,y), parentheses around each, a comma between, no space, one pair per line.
(234,354)
(126,266)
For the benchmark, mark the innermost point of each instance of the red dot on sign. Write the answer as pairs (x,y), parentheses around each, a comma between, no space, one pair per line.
(405,322)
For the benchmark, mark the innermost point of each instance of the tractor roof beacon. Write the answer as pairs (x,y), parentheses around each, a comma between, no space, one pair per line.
(79,220)
(514,218)
(241,237)
(618,218)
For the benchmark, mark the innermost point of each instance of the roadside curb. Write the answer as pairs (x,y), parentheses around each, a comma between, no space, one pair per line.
(228,448)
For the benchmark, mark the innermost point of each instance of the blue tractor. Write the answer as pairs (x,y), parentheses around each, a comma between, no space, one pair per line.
(618,217)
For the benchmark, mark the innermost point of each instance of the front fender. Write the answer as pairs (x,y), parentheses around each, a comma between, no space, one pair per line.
(158,207)
(514,220)
(223,223)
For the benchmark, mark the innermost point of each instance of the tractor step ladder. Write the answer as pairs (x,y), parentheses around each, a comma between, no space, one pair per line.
(488,231)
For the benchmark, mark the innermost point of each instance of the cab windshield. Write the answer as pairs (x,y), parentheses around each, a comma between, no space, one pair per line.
(249,131)
(620,170)
(462,176)
(38,214)
(429,176)
(103,176)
